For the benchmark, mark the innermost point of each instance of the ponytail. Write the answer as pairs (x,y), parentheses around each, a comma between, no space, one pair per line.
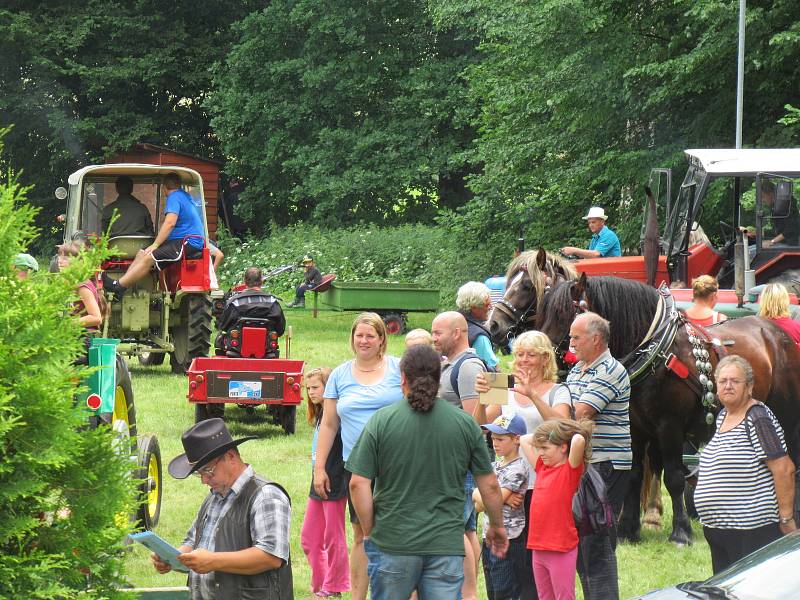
(421,366)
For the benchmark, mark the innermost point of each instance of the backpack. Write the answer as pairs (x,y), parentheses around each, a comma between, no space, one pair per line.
(590,506)
(457,367)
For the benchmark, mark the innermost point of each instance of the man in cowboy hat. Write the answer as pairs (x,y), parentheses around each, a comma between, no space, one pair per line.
(311,280)
(604,242)
(225,556)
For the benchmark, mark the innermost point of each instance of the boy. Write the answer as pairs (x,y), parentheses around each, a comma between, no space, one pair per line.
(418,336)
(512,475)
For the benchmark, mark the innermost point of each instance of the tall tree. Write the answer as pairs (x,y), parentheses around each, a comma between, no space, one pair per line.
(345,111)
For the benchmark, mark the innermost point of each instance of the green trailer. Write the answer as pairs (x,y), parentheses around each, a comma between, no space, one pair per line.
(392,301)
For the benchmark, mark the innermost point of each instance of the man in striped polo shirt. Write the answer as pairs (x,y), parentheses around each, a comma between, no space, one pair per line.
(600,390)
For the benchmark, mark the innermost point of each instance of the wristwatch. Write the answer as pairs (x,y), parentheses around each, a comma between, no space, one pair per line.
(785,520)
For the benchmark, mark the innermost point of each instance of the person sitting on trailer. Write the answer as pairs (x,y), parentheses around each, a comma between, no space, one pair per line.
(250,303)
(311,279)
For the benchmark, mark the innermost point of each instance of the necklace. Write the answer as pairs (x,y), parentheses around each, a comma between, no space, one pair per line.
(380,365)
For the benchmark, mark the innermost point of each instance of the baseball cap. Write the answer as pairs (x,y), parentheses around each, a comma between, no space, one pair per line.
(26,261)
(505,424)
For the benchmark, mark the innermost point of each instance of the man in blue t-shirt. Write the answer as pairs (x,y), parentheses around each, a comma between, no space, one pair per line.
(180,221)
(604,242)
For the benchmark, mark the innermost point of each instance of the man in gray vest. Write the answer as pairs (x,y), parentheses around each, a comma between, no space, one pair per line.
(225,556)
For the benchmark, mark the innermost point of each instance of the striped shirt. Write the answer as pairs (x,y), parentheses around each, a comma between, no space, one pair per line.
(604,385)
(735,488)
(269,526)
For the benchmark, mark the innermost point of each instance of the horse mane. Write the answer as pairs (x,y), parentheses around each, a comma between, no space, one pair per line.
(526,261)
(629,306)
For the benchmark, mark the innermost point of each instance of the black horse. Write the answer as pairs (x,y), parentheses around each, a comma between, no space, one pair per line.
(669,398)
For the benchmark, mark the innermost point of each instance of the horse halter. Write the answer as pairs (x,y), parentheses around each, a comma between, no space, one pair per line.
(522,317)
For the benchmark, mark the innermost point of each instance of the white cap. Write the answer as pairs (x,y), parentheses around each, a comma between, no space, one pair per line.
(596,212)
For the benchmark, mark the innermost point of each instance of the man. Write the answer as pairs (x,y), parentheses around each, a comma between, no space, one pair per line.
(181,220)
(417,453)
(474,301)
(24,264)
(604,242)
(786,228)
(600,390)
(252,303)
(311,279)
(239,541)
(457,386)
(134,218)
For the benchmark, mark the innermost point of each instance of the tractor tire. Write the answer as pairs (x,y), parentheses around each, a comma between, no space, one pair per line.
(148,474)
(152,359)
(208,411)
(395,323)
(123,418)
(192,338)
(288,419)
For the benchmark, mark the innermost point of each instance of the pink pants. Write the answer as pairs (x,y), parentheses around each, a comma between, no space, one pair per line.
(323,540)
(554,573)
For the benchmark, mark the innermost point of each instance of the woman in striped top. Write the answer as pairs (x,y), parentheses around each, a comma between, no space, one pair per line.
(745,488)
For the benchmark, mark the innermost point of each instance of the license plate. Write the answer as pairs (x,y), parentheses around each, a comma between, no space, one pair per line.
(244,389)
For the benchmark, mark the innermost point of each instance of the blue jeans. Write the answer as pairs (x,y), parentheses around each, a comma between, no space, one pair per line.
(395,576)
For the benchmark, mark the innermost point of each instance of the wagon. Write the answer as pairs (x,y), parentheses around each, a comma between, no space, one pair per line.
(392,301)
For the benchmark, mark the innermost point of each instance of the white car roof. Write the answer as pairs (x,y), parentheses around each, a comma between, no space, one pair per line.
(747,162)
(187,175)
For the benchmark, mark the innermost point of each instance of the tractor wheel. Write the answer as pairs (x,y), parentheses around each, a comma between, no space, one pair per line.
(151,359)
(192,338)
(395,323)
(123,419)
(208,411)
(288,418)
(150,482)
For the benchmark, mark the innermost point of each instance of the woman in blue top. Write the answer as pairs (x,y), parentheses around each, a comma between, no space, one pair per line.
(354,391)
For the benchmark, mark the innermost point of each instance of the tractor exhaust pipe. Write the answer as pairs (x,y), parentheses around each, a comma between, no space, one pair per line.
(739,257)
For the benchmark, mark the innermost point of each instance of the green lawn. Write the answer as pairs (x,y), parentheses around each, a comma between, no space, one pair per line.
(162,409)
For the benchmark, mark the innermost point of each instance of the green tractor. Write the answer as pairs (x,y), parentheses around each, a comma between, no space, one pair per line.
(109,401)
(167,312)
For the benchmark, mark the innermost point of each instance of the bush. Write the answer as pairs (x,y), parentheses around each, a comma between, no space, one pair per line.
(430,256)
(61,488)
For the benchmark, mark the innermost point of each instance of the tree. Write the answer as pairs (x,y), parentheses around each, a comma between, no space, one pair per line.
(345,111)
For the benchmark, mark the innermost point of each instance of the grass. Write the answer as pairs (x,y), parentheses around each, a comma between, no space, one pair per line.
(162,409)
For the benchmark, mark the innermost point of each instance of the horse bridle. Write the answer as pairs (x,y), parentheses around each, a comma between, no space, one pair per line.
(581,306)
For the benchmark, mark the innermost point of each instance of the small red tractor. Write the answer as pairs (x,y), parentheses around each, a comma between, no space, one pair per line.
(247,369)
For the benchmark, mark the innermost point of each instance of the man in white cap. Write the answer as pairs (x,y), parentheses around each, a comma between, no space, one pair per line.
(604,242)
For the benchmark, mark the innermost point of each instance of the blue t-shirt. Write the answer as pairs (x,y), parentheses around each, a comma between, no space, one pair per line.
(356,403)
(606,243)
(180,203)
(483,348)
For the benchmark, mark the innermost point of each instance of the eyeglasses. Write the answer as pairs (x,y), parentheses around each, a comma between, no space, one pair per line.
(206,471)
(732,382)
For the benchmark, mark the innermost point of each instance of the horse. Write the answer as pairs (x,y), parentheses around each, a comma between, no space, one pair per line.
(671,396)
(529,277)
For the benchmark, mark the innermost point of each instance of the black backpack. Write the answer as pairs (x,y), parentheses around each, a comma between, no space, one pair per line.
(590,506)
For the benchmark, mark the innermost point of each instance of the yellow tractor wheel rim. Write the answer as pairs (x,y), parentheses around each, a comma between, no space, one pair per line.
(153,484)
(121,406)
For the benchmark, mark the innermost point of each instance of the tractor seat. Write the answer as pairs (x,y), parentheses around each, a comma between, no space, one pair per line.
(325,284)
(127,246)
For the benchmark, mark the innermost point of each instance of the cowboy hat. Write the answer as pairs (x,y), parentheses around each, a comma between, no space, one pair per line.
(596,212)
(203,442)
(307,259)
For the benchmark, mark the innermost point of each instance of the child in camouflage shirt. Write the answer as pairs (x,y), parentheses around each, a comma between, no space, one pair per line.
(501,574)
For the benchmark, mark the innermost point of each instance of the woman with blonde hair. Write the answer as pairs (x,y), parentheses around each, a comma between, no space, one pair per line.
(355,390)
(704,296)
(774,305)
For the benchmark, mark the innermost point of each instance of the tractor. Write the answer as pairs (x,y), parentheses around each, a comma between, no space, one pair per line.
(168,312)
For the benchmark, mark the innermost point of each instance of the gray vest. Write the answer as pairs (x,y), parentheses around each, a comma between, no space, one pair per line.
(233,534)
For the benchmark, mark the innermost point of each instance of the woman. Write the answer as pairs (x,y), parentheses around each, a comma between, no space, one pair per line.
(354,391)
(704,296)
(536,397)
(745,488)
(774,305)
(474,301)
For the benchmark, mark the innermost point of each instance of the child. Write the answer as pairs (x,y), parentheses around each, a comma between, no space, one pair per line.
(558,449)
(503,574)
(418,336)
(323,535)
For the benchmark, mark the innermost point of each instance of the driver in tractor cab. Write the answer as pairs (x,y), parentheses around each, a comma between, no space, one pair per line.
(604,242)
(785,230)
(134,218)
(252,307)
(181,220)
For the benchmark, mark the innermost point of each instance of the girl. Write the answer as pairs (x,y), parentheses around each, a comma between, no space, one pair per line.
(323,536)
(558,449)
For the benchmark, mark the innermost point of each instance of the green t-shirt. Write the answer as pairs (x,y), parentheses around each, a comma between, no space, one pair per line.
(418,462)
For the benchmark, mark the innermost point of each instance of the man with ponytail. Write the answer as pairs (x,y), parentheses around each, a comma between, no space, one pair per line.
(416,455)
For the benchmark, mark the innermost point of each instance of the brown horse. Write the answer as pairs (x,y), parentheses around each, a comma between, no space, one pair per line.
(667,404)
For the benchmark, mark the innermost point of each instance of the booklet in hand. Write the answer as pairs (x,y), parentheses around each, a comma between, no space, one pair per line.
(167,552)
(499,383)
